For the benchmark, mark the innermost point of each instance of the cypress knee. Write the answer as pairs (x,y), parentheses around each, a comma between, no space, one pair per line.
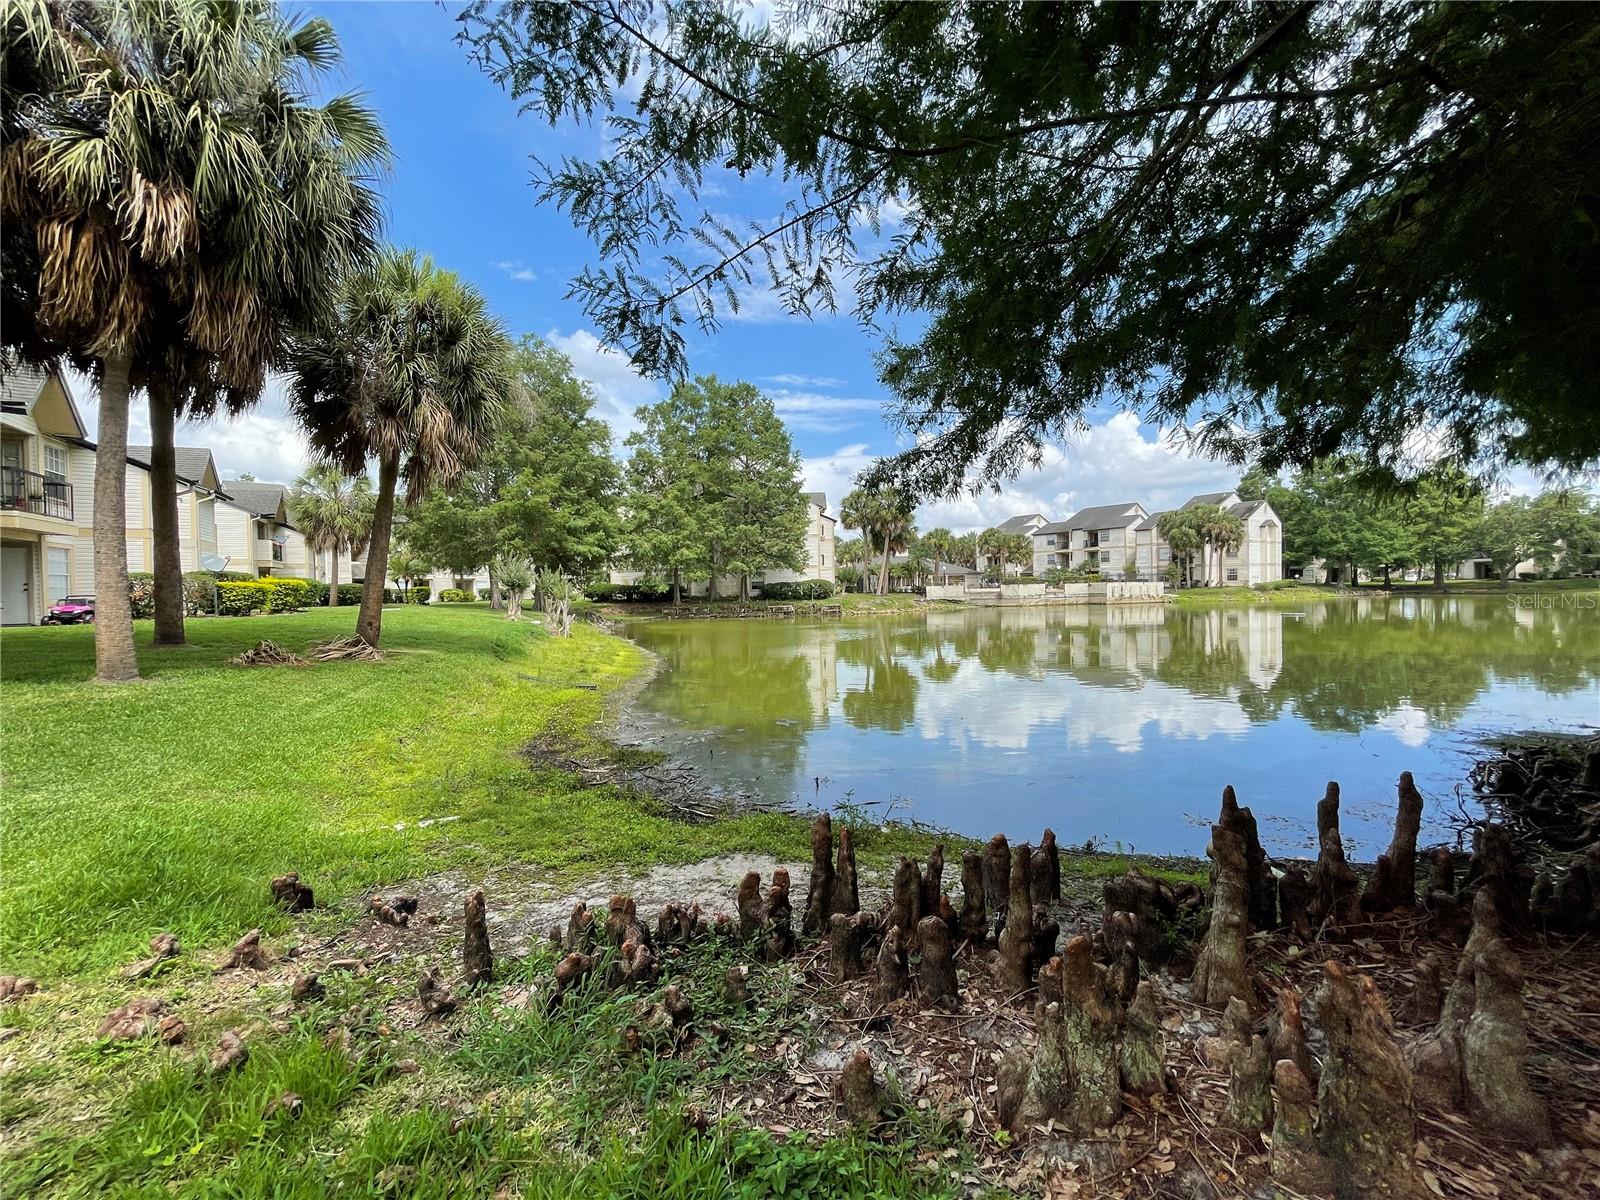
(1333,884)
(846,891)
(936,972)
(905,908)
(997,877)
(819,895)
(1016,938)
(974,921)
(477,959)
(892,973)
(1220,973)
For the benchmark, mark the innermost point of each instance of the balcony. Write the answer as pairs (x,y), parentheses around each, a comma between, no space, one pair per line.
(269,550)
(31,492)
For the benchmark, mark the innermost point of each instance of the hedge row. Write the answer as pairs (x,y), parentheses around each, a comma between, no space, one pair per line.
(801,589)
(241,597)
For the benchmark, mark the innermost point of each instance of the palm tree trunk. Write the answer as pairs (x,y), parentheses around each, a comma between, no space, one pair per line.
(333,578)
(369,625)
(883,571)
(164,517)
(114,658)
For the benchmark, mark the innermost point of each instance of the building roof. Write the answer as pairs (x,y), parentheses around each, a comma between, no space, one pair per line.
(257,499)
(1245,508)
(1150,521)
(820,499)
(1105,516)
(1020,522)
(1207,498)
(21,387)
(192,461)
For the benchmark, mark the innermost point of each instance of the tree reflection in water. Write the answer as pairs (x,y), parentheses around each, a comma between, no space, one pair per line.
(1095,706)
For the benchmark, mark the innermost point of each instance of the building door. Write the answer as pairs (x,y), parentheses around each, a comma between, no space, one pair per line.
(16,568)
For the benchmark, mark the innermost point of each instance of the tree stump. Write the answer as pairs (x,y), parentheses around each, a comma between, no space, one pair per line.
(846,890)
(1286,1034)
(1426,1001)
(905,906)
(1334,885)
(848,937)
(1261,890)
(893,976)
(306,987)
(477,959)
(865,1100)
(435,994)
(1046,881)
(635,966)
(752,909)
(1365,1127)
(580,936)
(1294,902)
(1495,1049)
(135,1019)
(623,924)
(247,952)
(1220,972)
(1249,1105)
(932,882)
(571,971)
(780,917)
(1016,938)
(677,925)
(974,920)
(997,878)
(1121,933)
(289,893)
(389,914)
(1497,868)
(1155,905)
(231,1053)
(1143,1046)
(163,947)
(1297,1163)
(819,893)
(736,986)
(1075,1075)
(936,971)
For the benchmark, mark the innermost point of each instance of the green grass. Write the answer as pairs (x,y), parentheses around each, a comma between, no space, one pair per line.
(168,804)
(1294,593)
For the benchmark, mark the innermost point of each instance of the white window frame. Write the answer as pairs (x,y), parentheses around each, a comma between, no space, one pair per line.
(1233,574)
(57,474)
(53,593)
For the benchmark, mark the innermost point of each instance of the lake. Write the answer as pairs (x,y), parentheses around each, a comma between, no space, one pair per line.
(1122,723)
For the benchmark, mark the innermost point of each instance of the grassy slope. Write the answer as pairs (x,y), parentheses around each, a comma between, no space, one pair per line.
(168,804)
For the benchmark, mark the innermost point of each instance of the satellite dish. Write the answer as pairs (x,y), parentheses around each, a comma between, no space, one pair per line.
(213,562)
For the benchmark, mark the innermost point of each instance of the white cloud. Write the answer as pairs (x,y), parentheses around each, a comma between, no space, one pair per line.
(815,412)
(834,474)
(618,387)
(806,381)
(516,269)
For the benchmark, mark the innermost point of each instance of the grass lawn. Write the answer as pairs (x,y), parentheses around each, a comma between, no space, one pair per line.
(168,804)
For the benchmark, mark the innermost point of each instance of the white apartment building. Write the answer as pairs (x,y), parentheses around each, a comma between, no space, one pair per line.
(1122,541)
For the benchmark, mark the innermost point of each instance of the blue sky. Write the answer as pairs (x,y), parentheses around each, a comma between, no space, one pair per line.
(461,190)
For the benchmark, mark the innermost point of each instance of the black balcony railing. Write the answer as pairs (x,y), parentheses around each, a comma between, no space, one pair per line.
(29,491)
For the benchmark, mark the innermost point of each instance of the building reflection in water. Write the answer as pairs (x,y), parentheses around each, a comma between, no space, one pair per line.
(1121,722)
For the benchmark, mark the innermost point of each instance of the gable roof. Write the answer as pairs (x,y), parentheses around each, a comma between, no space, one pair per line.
(1150,521)
(820,499)
(1246,507)
(192,462)
(1106,516)
(1207,498)
(1020,522)
(23,386)
(259,499)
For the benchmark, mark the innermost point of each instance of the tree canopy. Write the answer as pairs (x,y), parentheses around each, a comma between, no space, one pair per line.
(1294,229)
(714,485)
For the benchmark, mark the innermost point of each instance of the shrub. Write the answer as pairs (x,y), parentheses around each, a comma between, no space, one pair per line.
(316,593)
(1275,585)
(453,596)
(418,595)
(142,593)
(602,591)
(285,594)
(241,597)
(801,589)
(483,593)
(350,593)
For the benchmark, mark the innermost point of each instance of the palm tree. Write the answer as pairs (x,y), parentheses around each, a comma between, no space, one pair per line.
(1182,535)
(891,513)
(413,371)
(186,203)
(1222,531)
(919,560)
(857,512)
(938,542)
(333,511)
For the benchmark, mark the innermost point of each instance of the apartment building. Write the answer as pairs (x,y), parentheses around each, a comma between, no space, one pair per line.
(1123,541)
(254,532)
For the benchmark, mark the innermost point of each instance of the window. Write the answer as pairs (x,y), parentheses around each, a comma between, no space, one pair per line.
(1051,559)
(55,463)
(1105,558)
(58,577)
(1233,574)
(1051,542)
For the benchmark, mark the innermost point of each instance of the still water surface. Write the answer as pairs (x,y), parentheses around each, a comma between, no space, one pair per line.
(1121,723)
